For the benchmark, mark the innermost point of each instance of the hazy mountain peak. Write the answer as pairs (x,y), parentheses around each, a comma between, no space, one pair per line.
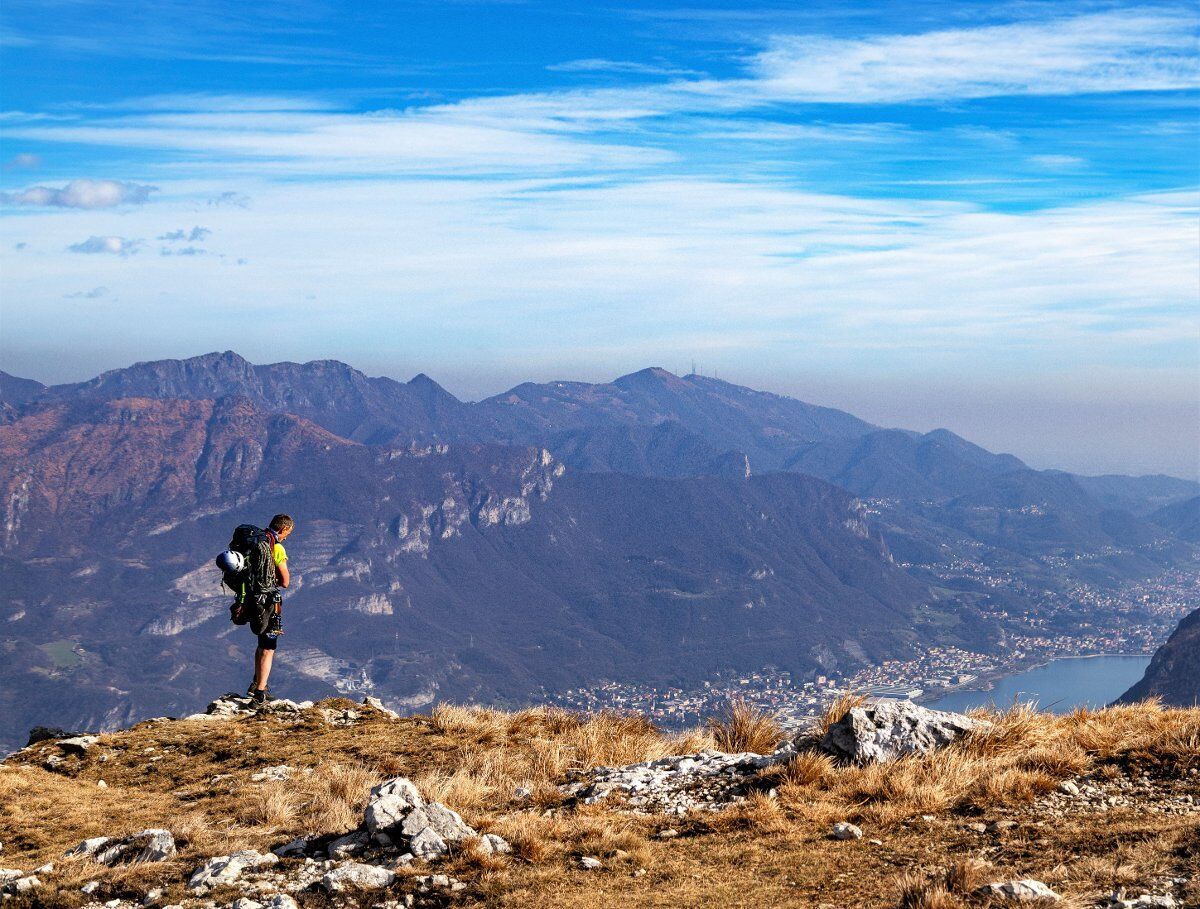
(651,376)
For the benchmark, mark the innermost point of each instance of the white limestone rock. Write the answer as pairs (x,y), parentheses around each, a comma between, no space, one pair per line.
(1022,891)
(445,822)
(20,885)
(275,774)
(225,869)
(426,844)
(390,803)
(380,706)
(79,744)
(845,831)
(153,845)
(886,730)
(494,844)
(357,875)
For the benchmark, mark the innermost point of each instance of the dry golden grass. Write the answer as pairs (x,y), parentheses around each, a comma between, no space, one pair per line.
(837,711)
(193,778)
(743,727)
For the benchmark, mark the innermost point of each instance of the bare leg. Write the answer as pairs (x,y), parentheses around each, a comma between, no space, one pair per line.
(262,667)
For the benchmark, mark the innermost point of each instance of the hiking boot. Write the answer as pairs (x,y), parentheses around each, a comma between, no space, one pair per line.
(261,698)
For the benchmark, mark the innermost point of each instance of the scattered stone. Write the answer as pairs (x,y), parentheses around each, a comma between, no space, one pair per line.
(79,744)
(153,845)
(589,863)
(875,842)
(1000,826)
(885,730)
(1067,787)
(355,874)
(709,779)
(20,885)
(245,902)
(225,869)
(669,834)
(152,896)
(1146,901)
(522,793)
(233,705)
(1021,891)
(845,831)
(100,784)
(297,846)
(273,774)
(977,827)
(90,887)
(494,844)
(280,901)
(379,705)
(340,717)
(348,845)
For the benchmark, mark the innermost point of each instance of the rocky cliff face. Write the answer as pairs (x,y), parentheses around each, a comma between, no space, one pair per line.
(1174,672)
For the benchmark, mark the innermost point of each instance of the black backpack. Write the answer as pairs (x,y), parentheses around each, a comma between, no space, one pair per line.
(254,586)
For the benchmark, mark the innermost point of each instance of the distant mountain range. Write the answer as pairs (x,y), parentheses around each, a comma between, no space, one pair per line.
(654,529)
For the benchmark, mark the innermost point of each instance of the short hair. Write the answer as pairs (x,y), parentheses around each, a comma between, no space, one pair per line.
(281,522)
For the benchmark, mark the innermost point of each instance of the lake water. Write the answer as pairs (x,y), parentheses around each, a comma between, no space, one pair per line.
(1058,687)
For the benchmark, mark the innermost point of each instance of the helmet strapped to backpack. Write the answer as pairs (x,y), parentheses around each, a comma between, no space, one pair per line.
(254,585)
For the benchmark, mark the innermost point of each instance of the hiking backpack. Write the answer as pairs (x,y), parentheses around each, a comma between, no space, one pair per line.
(254,585)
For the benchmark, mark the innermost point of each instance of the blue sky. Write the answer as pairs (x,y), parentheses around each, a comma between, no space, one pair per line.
(980,216)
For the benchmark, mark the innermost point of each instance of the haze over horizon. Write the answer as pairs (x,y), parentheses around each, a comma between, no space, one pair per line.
(980,216)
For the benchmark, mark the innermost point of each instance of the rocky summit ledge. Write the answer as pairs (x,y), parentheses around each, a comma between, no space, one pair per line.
(295,805)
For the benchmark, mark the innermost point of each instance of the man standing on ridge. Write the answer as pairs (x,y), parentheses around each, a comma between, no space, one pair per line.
(264,655)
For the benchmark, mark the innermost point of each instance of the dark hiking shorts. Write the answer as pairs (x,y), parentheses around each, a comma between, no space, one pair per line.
(266,643)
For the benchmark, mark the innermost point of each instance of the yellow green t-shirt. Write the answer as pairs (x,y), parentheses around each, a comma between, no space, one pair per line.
(280,554)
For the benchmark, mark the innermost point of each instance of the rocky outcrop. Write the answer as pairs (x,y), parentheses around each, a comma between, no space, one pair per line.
(675,785)
(153,845)
(397,815)
(885,730)
(226,869)
(1173,675)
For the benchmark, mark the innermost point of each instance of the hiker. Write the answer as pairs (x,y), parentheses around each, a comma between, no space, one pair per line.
(264,655)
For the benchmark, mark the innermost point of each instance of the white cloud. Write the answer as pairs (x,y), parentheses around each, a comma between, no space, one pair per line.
(230,198)
(195,235)
(640,127)
(82,194)
(117,246)
(1115,51)
(601,65)
(22,160)
(1057,162)
(94,294)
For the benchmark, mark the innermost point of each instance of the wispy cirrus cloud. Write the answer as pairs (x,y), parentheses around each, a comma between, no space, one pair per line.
(87,194)
(648,126)
(1116,51)
(601,65)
